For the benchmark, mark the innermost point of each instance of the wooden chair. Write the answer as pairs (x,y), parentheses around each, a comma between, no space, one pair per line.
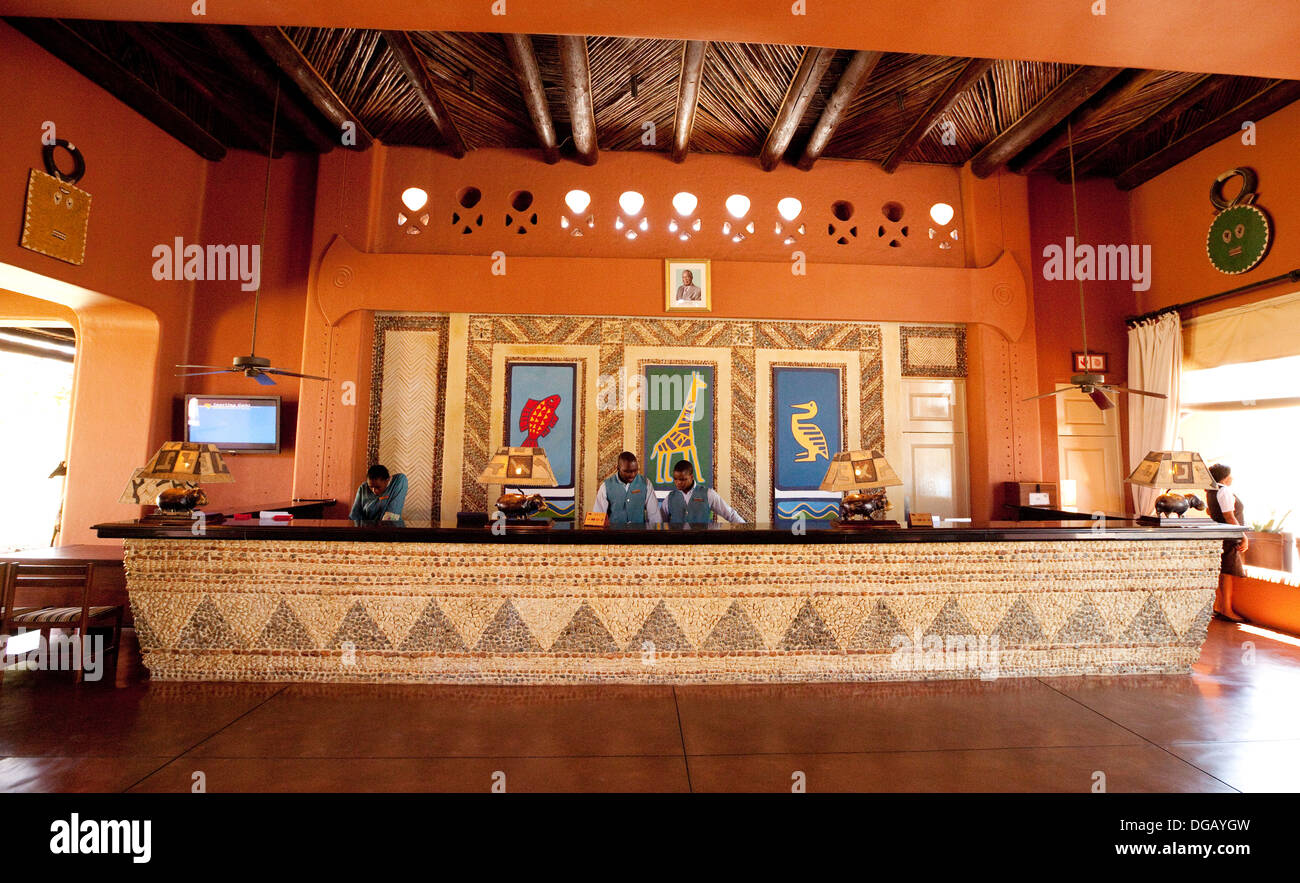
(50,575)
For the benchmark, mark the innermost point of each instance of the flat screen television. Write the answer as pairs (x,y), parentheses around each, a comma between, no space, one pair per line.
(234,423)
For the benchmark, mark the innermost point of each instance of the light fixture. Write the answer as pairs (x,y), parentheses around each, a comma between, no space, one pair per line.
(1167,471)
(862,477)
(789,208)
(188,462)
(684,204)
(941,212)
(414,198)
(519,467)
(631,202)
(577,201)
(738,205)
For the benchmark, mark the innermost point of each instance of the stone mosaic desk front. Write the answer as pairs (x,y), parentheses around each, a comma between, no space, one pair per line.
(526,611)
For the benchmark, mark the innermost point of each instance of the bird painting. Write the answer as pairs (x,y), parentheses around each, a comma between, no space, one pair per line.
(807,434)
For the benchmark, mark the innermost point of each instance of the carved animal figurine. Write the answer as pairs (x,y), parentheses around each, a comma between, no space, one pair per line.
(1178,504)
(680,438)
(864,504)
(807,434)
(178,499)
(520,505)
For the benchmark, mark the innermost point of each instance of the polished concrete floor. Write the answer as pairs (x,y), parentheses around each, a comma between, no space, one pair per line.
(1234,724)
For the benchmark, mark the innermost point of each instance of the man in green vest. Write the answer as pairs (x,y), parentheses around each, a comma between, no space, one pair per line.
(627,495)
(693,502)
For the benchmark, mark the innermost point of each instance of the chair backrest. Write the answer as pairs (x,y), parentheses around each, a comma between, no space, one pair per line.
(37,577)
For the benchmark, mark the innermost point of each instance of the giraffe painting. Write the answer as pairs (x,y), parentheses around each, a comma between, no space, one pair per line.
(679,441)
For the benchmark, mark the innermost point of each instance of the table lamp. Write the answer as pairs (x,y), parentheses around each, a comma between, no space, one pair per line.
(519,467)
(862,477)
(188,462)
(1169,471)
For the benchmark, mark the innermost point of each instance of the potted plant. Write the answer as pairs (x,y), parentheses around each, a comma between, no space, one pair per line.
(1269,546)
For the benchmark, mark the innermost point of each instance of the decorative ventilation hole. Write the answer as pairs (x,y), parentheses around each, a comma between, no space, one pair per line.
(466,219)
(413,199)
(577,202)
(789,209)
(892,231)
(738,207)
(683,226)
(519,218)
(844,232)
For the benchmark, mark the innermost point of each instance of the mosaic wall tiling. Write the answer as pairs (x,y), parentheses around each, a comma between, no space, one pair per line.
(930,351)
(612,336)
(524,613)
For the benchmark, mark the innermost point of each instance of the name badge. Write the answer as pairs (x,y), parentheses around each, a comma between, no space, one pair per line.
(635,491)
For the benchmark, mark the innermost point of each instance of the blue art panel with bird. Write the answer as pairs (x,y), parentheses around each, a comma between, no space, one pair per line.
(807,425)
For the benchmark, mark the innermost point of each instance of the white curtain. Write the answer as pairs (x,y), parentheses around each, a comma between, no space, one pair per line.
(1155,358)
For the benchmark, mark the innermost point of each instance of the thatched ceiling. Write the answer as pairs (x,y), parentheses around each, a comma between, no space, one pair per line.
(213,87)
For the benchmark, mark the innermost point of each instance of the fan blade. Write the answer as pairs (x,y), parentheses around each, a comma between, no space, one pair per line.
(263,379)
(205,373)
(292,374)
(1055,392)
(1139,392)
(1101,400)
(213,367)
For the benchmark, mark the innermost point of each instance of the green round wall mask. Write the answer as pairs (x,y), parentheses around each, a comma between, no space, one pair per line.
(1240,235)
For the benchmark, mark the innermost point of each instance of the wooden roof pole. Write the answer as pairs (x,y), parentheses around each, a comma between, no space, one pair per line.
(807,78)
(524,60)
(966,77)
(418,75)
(857,72)
(688,95)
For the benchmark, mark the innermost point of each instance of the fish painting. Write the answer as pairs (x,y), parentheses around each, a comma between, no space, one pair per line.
(537,419)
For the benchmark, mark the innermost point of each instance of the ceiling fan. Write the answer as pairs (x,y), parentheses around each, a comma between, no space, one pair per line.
(1092,385)
(252,365)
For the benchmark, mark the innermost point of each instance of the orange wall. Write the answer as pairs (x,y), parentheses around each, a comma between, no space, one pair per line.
(1173,213)
(223,312)
(1103,219)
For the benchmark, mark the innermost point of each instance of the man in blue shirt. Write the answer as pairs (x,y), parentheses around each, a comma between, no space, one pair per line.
(380,496)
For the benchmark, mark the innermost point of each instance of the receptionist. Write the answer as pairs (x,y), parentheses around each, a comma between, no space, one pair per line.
(693,502)
(380,497)
(628,496)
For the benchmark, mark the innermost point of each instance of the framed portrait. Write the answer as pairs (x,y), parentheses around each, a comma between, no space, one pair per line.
(687,287)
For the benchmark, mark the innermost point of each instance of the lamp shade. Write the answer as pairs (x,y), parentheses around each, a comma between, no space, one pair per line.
(1172,470)
(850,470)
(519,467)
(187,461)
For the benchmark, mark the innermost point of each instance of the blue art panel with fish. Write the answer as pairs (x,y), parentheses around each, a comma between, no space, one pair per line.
(807,420)
(540,412)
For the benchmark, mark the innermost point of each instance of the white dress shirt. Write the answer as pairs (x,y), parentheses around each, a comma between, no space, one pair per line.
(1227,500)
(652,515)
(716,503)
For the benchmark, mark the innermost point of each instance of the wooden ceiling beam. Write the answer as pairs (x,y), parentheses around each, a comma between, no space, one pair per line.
(1272,97)
(418,76)
(289,58)
(857,72)
(252,71)
(803,86)
(163,53)
(1202,88)
(1131,83)
(64,43)
(688,95)
(577,95)
(1072,92)
(966,77)
(524,60)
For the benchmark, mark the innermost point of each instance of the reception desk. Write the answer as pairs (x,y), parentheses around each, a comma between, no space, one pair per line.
(329,601)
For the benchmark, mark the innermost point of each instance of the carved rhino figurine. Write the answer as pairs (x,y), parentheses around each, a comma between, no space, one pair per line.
(1178,504)
(520,505)
(179,499)
(864,504)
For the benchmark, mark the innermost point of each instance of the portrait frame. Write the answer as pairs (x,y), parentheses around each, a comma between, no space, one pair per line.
(700,277)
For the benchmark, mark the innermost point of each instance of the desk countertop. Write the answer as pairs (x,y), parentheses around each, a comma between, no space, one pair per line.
(570,534)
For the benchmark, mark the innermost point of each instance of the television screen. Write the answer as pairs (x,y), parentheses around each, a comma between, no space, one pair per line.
(234,423)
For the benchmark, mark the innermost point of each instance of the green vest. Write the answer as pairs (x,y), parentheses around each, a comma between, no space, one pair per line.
(690,510)
(627,501)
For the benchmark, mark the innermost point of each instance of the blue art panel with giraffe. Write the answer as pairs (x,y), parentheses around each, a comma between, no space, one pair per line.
(540,411)
(807,418)
(678,425)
